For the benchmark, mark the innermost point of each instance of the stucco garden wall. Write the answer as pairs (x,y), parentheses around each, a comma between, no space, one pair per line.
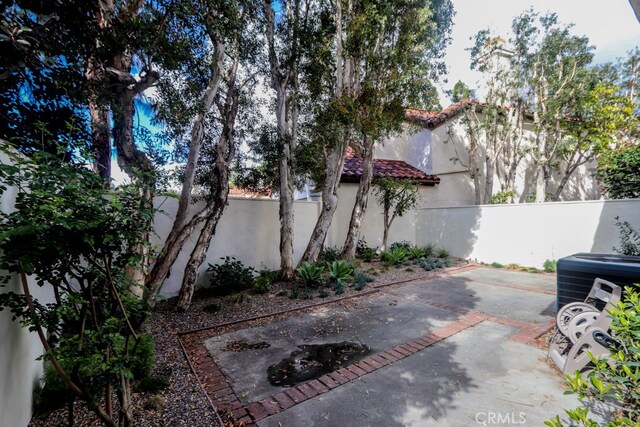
(249,230)
(526,234)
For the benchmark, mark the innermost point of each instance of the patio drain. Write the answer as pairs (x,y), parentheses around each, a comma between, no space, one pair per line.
(315,360)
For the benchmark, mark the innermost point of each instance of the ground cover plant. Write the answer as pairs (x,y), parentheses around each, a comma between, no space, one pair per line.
(613,382)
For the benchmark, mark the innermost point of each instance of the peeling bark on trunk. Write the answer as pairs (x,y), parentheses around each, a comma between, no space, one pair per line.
(225,152)
(360,205)
(334,163)
(284,80)
(182,229)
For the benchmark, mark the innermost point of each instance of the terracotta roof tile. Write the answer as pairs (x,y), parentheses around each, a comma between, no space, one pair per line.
(385,168)
(433,119)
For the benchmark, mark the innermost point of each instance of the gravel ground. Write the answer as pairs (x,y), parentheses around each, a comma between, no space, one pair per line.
(183,403)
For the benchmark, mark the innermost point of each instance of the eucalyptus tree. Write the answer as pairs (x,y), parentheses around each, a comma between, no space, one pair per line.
(200,104)
(284,52)
(396,48)
(553,63)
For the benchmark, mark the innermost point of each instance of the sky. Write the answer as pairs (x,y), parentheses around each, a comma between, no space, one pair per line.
(611,26)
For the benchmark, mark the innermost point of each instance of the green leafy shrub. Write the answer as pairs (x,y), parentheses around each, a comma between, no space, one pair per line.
(311,274)
(614,382)
(240,298)
(307,293)
(442,253)
(502,197)
(338,288)
(404,244)
(294,293)
(429,250)
(629,239)
(394,257)
(416,253)
(328,254)
(262,283)
(360,277)
(618,171)
(364,252)
(550,265)
(340,272)
(426,265)
(229,277)
(496,265)
(323,293)
(79,242)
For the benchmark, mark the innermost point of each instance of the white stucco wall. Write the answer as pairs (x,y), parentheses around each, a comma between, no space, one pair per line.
(442,151)
(526,234)
(249,230)
(403,228)
(19,348)
(413,146)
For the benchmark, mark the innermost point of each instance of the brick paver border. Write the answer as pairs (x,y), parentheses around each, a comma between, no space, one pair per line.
(221,396)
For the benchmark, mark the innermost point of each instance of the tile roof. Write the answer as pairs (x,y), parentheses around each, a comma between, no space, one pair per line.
(433,119)
(384,168)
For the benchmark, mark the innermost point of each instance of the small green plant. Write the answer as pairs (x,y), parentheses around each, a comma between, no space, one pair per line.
(443,253)
(629,239)
(404,244)
(364,252)
(496,265)
(359,286)
(323,293)
(329,254)
(229,277)
(426,265)
(211,308)
(311,274)
(429,250)
(394,257)
(340,272)
(361,278)
(294,293)
(502,198)
(550,265)
(307,293)
(263,282)
(416,253)
(240,298)
(613,381)
(338,288)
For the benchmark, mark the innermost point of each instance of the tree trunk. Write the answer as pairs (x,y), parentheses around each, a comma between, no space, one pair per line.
(387,225)
(181,230)
(360,205)
(225,152)
(126,406)
(334,163)
(100,140)
(488,179)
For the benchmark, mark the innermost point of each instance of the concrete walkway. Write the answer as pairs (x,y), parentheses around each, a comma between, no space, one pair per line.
(453,351)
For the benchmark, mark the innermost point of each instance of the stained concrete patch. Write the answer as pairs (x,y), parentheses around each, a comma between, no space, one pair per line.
(462,381)
(543,282)
(381,322)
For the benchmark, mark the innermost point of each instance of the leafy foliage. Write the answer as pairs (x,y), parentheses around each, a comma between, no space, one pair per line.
(502,197)
(397,197)
(615,381)
(442,253)
(264,280)
(394,257)
(329,254)
(340,272)
(229,277)
(311,274)
(550,265)
(364,252)
(629,239)
(618,170)
(71,236)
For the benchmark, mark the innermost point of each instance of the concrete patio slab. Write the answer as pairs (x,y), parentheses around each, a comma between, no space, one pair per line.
(462,381)
(381,322)
(456,350)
